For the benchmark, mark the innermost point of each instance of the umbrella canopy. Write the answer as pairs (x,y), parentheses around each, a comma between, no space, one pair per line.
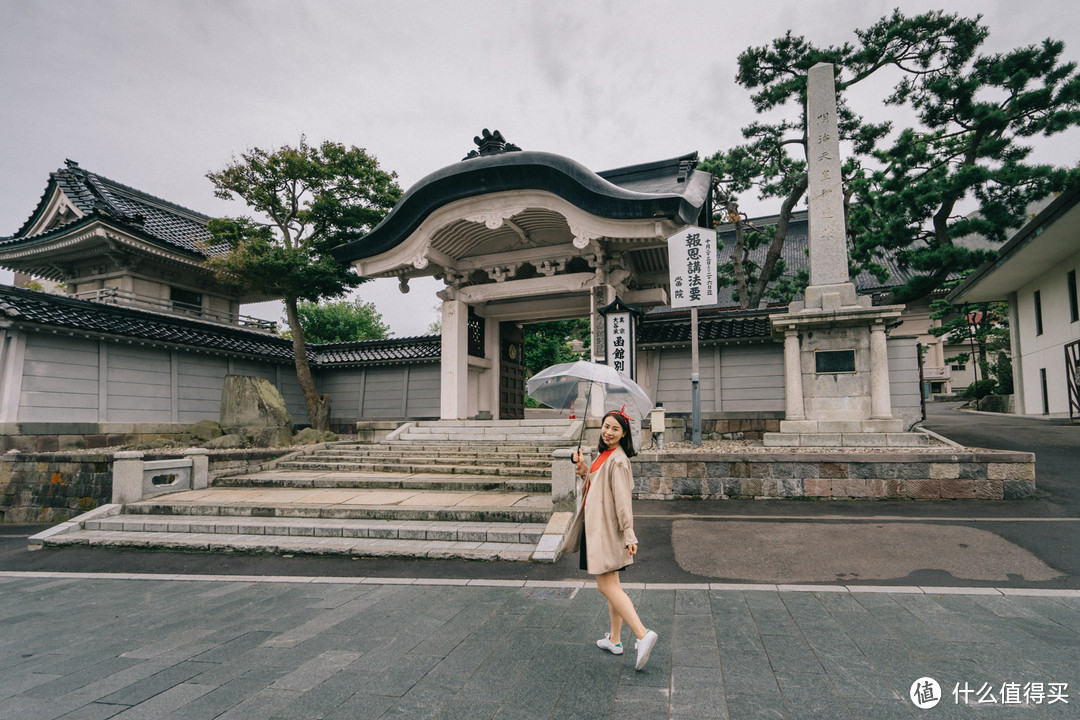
(558,387)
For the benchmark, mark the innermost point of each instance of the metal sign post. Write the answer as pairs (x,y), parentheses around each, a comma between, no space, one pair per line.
(695,379)
(692,263)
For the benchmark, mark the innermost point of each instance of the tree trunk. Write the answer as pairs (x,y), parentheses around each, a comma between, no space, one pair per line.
(318,406)
(738,260)
(777,244)
(738,252)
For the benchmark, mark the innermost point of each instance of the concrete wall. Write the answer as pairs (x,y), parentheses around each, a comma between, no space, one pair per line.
(904,379)
(90,390)
(59,379)
(734,378)
(79,380)
(751,378)
(383,391)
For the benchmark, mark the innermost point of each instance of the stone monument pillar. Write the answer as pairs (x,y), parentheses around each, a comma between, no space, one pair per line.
(835,359)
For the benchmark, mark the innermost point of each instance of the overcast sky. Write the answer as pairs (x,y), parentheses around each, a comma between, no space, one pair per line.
(156,94)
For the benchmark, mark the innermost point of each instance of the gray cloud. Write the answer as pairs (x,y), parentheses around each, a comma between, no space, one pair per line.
(157,94)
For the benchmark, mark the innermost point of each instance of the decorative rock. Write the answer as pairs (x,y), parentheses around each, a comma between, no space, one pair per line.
(205,430)
(311,436)
(228,442)
(252,402)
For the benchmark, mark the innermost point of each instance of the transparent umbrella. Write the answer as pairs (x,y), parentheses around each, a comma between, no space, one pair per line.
(559,386)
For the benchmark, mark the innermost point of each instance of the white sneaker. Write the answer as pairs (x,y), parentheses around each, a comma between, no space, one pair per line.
(605,643)
(643,647)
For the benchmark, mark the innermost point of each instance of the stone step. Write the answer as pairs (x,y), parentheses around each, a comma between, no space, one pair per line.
(428,457)
(352,547)
(467,452)
(502,447)
(524,422)
(406,481)
(393,467)
(435,435)
(352,503)
(538,430)
(319,528)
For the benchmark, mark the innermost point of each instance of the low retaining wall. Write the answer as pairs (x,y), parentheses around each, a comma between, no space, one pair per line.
(717,426)
(61,437)
(54,487)
(65,437)
(965,474)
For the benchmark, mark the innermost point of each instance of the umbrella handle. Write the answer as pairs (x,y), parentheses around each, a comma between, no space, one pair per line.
(584,419)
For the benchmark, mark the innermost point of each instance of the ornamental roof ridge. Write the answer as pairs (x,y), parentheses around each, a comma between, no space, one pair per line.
(110,184)
(380,341)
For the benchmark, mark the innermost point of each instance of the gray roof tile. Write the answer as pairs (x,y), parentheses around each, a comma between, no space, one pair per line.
(57,311)
(167,223)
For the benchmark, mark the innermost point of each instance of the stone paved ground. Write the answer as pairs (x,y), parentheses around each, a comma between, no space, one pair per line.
(281,648)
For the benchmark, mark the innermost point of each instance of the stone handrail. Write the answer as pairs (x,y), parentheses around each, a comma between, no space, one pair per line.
(135,479)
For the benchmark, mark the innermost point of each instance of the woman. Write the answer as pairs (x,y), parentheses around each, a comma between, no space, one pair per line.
(608,543)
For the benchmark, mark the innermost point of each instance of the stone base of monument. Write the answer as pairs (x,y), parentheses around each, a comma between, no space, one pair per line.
(840,426)
(843,433)
(845,440)
(836,372)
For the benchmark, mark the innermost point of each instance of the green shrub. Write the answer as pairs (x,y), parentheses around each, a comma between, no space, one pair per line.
(980,389)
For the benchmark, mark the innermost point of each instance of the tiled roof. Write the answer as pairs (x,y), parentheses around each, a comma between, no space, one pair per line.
(796,256)
(146,215)
(674,327)
(84,316)
(425,347)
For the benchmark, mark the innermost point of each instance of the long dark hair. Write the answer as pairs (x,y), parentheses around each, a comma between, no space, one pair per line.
(626,441)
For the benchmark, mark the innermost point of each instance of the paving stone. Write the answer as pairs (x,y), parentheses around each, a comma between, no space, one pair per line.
(304,649)
(157,683)
(697,693)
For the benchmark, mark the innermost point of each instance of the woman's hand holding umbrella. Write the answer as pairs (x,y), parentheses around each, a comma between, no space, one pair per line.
(579,460)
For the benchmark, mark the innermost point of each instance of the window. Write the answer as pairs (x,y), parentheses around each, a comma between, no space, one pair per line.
(186,301)
(959,368)
(1074,301)
(1045,392)
(1038,314)
(476,335)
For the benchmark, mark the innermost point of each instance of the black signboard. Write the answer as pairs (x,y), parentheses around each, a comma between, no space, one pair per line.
(835,361)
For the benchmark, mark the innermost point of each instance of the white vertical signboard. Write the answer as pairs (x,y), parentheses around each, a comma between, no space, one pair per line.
(692,267)
(692,263)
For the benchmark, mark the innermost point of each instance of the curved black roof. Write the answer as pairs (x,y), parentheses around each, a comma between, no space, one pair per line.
(668,188)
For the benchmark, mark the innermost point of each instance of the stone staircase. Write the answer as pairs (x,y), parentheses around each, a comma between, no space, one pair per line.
(434,489)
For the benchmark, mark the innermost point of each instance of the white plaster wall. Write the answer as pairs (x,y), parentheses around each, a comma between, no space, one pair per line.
(1047,350)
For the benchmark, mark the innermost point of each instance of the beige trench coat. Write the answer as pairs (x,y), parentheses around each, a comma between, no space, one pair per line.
(609,517)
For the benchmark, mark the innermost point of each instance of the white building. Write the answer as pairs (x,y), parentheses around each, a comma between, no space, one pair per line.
(1035,271)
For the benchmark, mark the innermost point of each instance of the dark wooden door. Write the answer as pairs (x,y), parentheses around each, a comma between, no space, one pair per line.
(511,372)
